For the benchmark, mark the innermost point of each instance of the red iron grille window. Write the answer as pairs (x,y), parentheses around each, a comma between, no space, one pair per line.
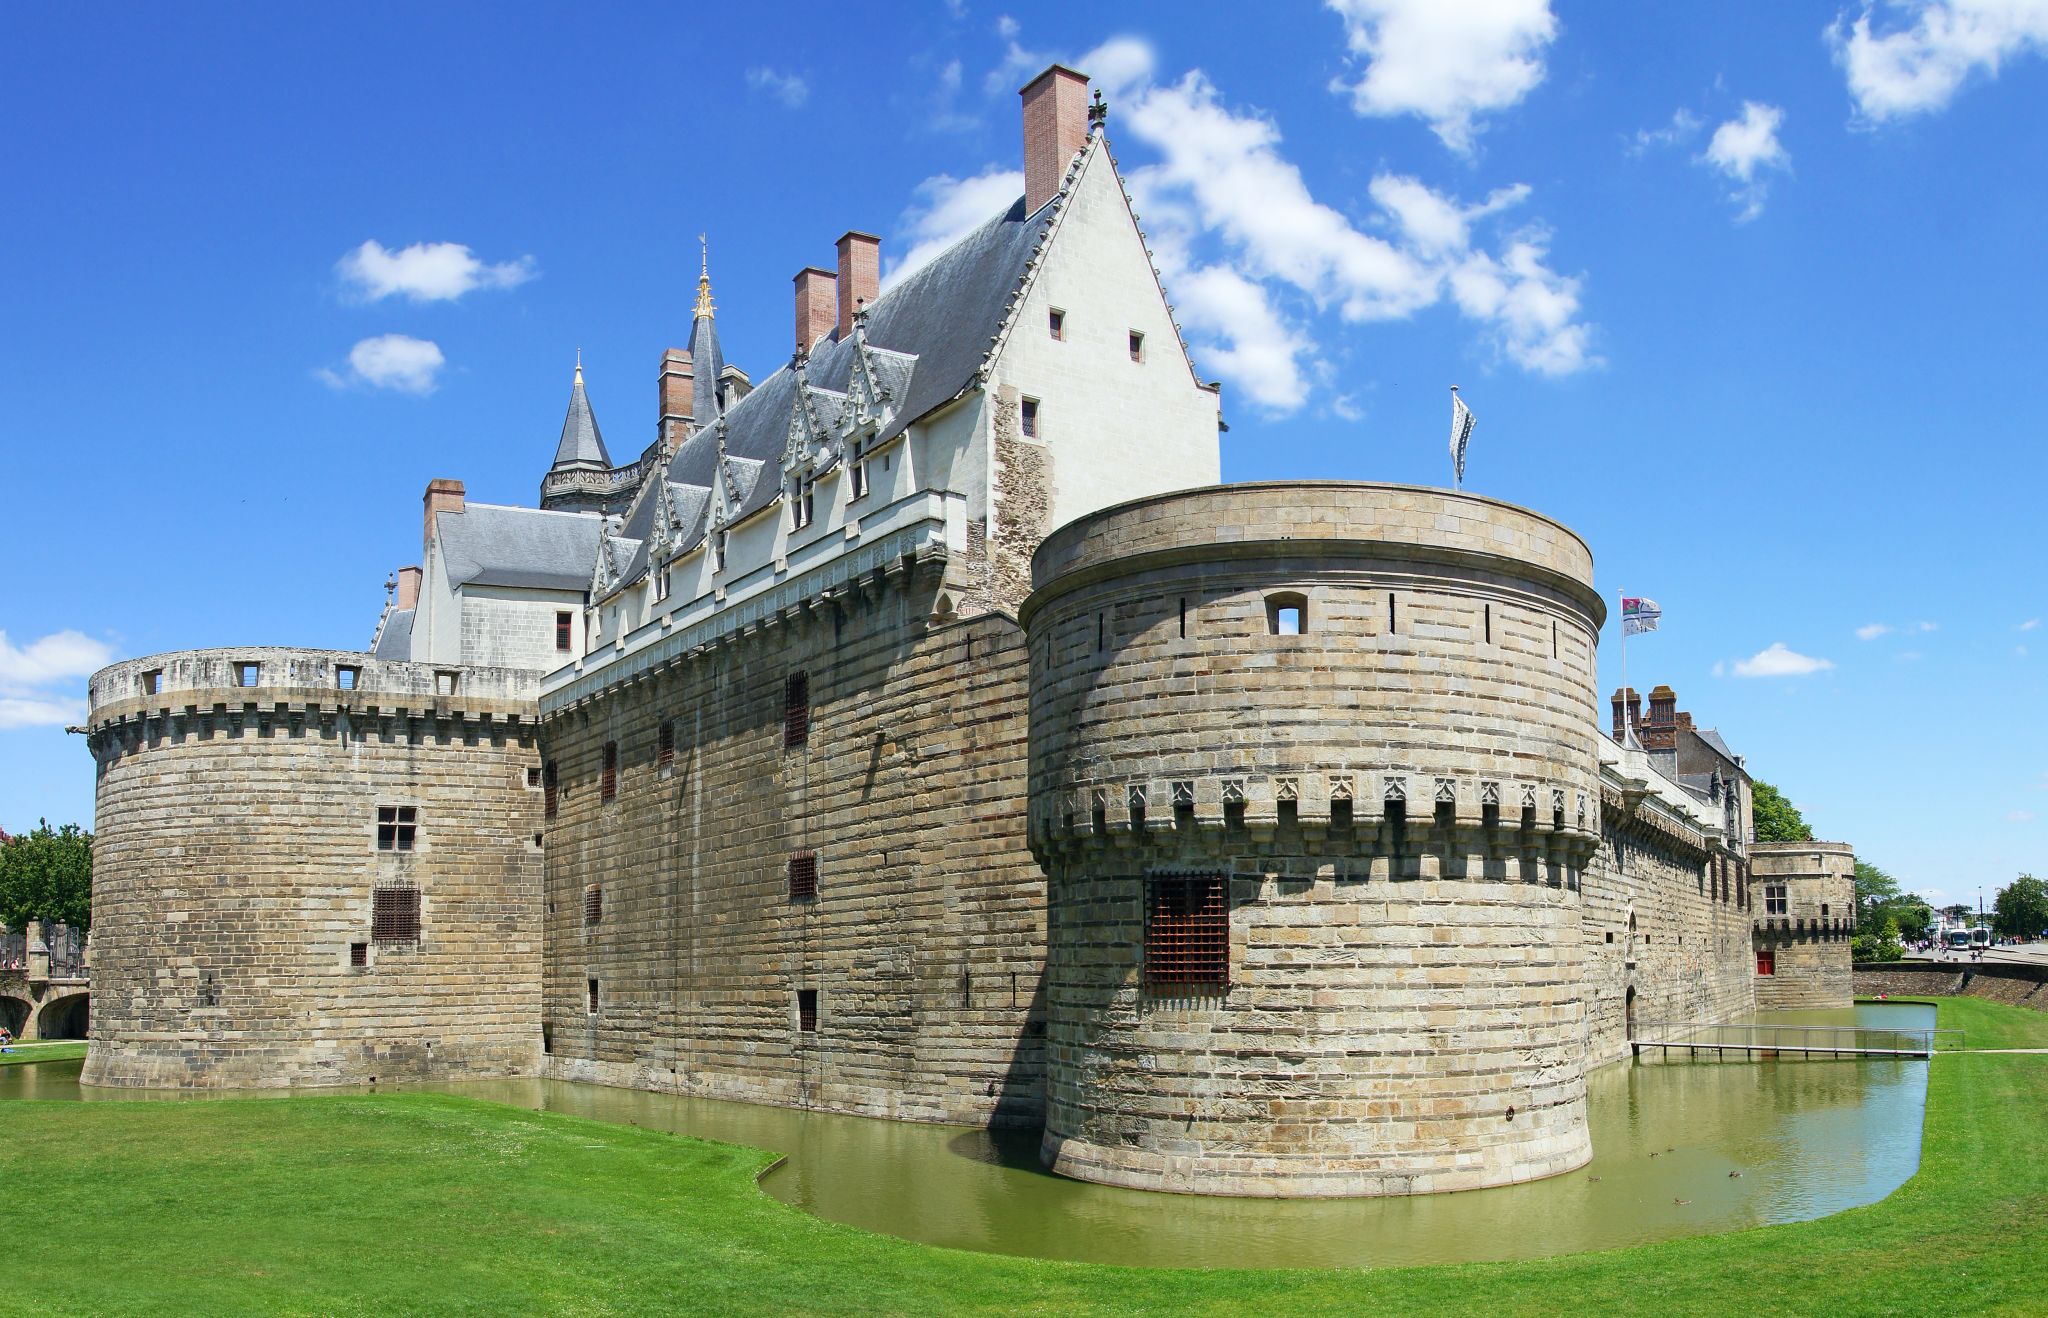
(1187,934)
(608,785)
(807,1010)
(803,876)
(550,784)
(665,745)
(593,904)
(395,915)
(1766,962)
(397,826)
(796,710)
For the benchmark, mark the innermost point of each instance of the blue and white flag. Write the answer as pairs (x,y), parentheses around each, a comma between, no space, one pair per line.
(1461,434)
(1639,615)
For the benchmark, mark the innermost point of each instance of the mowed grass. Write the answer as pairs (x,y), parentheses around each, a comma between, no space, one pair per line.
(58,1050)
(426,1203)
(1989,1024)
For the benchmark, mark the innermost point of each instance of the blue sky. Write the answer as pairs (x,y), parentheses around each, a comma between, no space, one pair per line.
(1748,295)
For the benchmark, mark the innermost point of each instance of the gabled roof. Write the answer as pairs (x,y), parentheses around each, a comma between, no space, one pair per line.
(582,445)
(394,638)
(491,545)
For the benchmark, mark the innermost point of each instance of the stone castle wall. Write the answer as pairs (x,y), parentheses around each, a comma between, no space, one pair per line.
(1401,802)
(236,858)
(924,942)
(1807,946)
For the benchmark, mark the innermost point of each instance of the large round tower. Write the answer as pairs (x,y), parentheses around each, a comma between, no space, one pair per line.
(1313,776)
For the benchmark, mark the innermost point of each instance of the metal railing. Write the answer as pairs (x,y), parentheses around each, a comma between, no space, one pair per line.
(1808,1041)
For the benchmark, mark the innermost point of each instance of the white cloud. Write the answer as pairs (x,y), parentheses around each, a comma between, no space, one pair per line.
(1684,126)
(1778,661)
(1447,63)
(1247,340)
(1745,150)
(1870,631)
(426,272)
(1919,68)
(1926,626)
(2020,816)
(1910,656)
(28,672)
(2030,624)
(789,88)
(1345,408)
(391,361)
(1720,668)
(1533,309)
(946,209)
(1018,63)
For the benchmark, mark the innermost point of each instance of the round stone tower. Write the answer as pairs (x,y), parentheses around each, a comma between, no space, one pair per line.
(313,867)
(1313,777)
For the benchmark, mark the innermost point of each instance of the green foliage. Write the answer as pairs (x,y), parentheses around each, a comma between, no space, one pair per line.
(1957,913)
(1880,902)
(1777,820)
(1881,945)
(2022,907)
(47,875)
(1915,916)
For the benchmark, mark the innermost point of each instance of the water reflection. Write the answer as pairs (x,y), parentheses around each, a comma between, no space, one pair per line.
(1807,1137)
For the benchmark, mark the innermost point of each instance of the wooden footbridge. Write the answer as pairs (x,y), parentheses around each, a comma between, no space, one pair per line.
(1736,1041)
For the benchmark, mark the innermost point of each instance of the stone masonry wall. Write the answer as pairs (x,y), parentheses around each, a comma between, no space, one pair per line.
(236,856)
(1402,799)
(1808,944)
(924,944)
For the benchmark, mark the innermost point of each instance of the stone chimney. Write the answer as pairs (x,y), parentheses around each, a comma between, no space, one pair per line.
(1055,127)
(817,305)
(860,275)
(408,588)
(442,496)
(1626,703)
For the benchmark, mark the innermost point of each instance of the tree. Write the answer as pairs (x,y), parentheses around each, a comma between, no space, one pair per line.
(47,875)
(1777,820)
(1876,891)
(1881,945)
(2021,907)
(1957,914)
(1915,916)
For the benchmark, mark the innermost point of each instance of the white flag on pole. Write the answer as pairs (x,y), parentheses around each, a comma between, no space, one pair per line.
(1462,422)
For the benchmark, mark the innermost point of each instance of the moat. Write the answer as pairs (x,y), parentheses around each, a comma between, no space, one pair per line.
(1808,1137)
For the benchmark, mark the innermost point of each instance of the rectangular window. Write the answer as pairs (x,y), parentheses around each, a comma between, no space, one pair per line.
(665,745)
(1056,321)
(807,1010)
(1766,962)
(858,472)
(608,781)
(1030,418)
(796,711)
(593,904)
(396,827)
(345,677)
(1187,935)
(359,955)
(444,682)
(395,915)
(533,776)
(565,627)
(1287,614)
(718,550)
(153,682)
(1137,346)
(803,876)
(248,674)
(551,787)
(1774,899)
(660,587)
(590,996)
(804,507)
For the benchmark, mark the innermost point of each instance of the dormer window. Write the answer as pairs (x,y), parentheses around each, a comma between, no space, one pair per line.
(718,550)
(661,585)
(804,506)
(857,471)
(1056,322)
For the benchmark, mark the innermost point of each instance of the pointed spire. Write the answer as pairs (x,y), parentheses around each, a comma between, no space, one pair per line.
(704,308)
(582,444)
(704,352)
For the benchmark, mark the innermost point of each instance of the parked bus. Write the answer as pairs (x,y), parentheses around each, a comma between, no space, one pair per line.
(1980,938)
(1956,940)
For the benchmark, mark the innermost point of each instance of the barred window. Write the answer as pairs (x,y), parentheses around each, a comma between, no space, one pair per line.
(1187,934)
(359,955)
(590,998)
(397,826)
(551,785)
(803,876)
(395,914)
(608,784)
(665,744)
(796,710)
(807,1010)
(593,904)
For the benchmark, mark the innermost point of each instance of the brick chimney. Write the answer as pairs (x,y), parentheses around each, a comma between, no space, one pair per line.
(817,305)
(860,275)
(408,588)
(1055,127)
(442,496)
(1626,699)
(675,391)
(1659,732)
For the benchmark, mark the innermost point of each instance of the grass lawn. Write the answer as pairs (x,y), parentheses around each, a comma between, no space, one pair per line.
(57,1050)
(413,1202)
(1989,1024)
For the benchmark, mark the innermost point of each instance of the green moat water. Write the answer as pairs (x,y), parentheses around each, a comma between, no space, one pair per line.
(1808,1137)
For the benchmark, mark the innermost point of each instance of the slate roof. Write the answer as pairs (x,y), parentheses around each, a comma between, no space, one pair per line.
(931,333)
(394,638)
(582,445)
(1713,739)
(709,364)
(492,545)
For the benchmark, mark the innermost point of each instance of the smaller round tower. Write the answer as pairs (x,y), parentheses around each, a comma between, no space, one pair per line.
(1313,777)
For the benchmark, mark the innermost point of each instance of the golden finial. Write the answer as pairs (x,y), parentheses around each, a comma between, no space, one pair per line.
(579,366)
(704,307)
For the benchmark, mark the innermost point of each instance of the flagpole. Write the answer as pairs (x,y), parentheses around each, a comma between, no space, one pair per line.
(1628,731)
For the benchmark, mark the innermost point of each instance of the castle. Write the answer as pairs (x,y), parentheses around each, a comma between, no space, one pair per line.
(924,733)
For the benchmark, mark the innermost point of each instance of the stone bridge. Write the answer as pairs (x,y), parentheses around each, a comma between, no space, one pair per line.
(45,988)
